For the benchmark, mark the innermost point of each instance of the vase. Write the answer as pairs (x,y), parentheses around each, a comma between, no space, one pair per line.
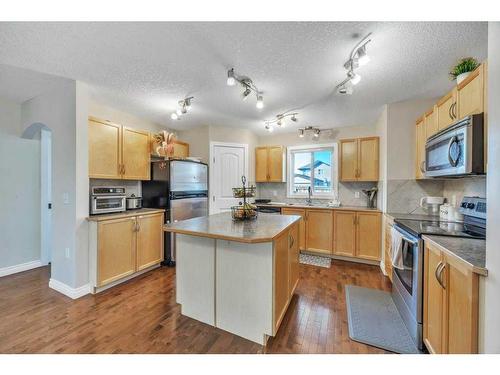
(462,77)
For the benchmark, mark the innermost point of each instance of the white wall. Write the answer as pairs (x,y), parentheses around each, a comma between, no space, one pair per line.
(57,110)
(19,190)
(490,329)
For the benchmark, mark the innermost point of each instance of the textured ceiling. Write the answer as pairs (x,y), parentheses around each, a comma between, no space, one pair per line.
(145,68)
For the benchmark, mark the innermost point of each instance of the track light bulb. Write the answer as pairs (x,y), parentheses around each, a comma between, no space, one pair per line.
(178,112)
(279,123)
(355,78)
(301,133)
(174,116)
(316,133)
(269,128)
(363,57)
(294,118)
(260,102)
(231,81)
(246,93)
(184,110)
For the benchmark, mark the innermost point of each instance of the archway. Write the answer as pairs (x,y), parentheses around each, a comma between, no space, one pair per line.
(44,134)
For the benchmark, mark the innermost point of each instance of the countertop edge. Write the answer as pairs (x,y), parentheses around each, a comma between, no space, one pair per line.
(124,214)
(304,206)
(479,270)
(231,238)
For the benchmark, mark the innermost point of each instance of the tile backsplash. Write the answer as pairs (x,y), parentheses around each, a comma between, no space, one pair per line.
(276,191)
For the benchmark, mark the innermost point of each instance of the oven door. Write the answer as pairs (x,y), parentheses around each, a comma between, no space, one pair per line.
(448,153)
(106,204)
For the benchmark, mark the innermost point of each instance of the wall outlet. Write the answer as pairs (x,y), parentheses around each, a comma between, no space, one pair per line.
(66,252)
(66,198)
(356,194)
(275,193)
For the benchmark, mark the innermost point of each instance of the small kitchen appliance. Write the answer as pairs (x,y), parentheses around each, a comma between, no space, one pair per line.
(407,287)
(107,199)
(431,204)
(133,202)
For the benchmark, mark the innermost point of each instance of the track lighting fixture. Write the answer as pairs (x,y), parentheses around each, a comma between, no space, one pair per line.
(247,85)
(316,131)
(279,119)
(357,58)
(269,128)
(184,106)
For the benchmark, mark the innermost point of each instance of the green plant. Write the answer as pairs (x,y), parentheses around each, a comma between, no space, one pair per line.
(465,65)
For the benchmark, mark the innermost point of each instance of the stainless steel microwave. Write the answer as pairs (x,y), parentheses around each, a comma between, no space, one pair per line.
(457,150)
(106,199)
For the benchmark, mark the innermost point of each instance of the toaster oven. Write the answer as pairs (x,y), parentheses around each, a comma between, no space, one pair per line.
(104,199)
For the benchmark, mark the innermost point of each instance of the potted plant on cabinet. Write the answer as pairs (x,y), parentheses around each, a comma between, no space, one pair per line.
(464,67)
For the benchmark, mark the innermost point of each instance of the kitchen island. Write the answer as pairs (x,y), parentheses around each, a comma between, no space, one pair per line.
(239,276)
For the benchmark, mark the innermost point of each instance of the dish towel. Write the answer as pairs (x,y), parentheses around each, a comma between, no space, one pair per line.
(397,249)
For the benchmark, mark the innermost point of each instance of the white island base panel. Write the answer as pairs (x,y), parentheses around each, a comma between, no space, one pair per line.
(226,284)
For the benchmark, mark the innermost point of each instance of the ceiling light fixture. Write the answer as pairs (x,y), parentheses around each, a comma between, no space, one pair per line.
(316,131)
(269,128)
(357,58)
(279,119)
(184,106)
(247,85)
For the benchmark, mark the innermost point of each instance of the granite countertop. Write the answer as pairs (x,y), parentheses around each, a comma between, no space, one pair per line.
(221,226)
(469,250)
(394,215)
(128,213)
(322,207)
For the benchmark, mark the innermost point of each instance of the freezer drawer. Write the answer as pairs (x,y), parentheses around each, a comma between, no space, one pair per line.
(188,208)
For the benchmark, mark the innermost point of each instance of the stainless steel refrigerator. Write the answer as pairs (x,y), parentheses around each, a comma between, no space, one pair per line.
(181,188)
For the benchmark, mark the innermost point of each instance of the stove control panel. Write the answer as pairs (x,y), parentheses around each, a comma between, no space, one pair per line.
(474,206)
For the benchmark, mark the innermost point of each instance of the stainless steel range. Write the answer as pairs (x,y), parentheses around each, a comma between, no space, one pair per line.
(407,288)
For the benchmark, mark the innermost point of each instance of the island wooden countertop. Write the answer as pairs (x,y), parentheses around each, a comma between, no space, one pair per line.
(221,226)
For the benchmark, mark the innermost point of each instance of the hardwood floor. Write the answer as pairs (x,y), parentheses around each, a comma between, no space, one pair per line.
(141,316)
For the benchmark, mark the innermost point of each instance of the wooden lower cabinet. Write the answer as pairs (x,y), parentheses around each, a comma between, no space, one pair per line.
(149,241)
(302,224)
(387,249)
(123,246)
(451,292)
(344,233)
(319,230)
(286,272)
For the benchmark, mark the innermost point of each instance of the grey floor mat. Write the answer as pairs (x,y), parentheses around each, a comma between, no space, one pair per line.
(373,319)
(315,260)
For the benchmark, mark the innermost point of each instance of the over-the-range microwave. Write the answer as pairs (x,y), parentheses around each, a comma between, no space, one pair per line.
(457,150)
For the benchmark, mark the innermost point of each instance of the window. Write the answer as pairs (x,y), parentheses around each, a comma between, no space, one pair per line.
(312,167)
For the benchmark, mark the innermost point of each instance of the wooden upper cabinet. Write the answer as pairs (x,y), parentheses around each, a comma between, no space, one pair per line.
(116,249)
(104,149)
(470,94)
(181,149)
(420,140)
(135,154)
(149,240)
(344,236)
(117,152)
(319,224)
(359,159)
(302,225)
(368,235)
(447,110)
(368,160)
(348,160)
(269,164)
(431,125)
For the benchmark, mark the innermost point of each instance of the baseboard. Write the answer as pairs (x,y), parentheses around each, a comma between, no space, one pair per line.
(73,293)
(20,268)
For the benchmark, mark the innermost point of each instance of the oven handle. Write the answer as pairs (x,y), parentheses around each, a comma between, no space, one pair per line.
(407,237)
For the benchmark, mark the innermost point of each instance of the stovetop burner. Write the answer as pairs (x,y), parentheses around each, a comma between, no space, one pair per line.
(442,228)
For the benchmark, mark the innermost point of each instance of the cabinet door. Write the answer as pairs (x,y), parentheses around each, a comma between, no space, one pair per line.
(135,154)
(387,254)
(344,237)
(281,293)
(368,235)
(470,94)
(149,240)
(420,149)
(275,164)
(461,308)
(319,230)
(104,150)
(348,160)
(116,248)
(446,111)
(368,160)
(302,224)
(433,301)
(261,174)
(431,125)
(181,149)
(293,259)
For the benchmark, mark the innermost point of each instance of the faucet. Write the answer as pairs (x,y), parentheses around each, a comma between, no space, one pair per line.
(309,200)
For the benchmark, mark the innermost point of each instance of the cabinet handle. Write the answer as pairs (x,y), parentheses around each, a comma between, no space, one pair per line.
(422,166)
(354,220)
(291,241)
(449,112)
(439,272)
(454,110)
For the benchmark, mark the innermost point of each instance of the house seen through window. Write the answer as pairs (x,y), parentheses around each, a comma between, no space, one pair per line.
(312,167)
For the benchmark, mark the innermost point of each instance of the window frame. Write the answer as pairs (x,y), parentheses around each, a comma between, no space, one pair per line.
(311,148)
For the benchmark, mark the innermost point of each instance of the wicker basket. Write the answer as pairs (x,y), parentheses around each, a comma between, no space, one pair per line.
(241,213)
(244,192)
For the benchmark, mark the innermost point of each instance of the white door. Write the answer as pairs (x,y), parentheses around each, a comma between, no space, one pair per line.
(229,164)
